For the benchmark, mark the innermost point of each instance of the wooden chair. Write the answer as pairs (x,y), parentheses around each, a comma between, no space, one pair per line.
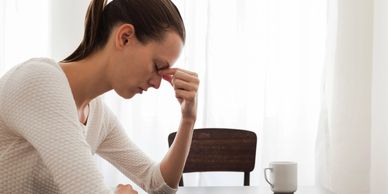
(220,149)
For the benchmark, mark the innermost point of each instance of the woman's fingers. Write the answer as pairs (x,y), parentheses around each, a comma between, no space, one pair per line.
(186,76)
(173,74)
(125,189)
(167,78)
(187,95)
(183,85)
(170,71)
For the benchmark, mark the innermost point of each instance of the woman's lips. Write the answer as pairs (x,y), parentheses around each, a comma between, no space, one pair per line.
(140,90)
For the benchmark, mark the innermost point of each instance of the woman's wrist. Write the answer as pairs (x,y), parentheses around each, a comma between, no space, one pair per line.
(188,120)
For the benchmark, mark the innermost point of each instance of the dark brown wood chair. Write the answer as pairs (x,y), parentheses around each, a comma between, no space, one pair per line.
(221,149)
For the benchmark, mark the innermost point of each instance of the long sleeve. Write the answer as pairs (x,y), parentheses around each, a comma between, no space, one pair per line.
(120,151)
(37,104)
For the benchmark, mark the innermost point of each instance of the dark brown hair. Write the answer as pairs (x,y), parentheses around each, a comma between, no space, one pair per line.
(150,18)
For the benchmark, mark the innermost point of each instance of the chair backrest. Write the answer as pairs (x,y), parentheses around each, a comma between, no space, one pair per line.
(221,149)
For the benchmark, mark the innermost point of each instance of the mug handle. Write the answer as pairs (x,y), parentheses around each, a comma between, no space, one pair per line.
(265,176)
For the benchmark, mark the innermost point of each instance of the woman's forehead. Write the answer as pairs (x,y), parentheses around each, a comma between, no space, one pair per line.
(169,49)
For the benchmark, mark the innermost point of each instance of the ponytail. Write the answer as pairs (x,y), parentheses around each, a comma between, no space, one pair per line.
(93,27)
(151,19)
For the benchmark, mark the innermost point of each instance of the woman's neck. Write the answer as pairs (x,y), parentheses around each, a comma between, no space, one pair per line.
(87,78)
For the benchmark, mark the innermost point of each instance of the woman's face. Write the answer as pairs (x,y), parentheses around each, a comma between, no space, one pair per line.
(135,68)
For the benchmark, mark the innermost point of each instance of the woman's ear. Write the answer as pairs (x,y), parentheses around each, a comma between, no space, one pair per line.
(125,35)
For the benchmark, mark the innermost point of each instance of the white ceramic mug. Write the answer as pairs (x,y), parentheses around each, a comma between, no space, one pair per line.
(282,176)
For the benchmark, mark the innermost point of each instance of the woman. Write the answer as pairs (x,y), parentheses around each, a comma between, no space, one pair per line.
(52,120)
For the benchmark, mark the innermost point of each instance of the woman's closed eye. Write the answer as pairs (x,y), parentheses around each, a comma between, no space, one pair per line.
(157,68)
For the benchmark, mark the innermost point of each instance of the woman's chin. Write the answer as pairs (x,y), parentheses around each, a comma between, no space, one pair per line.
(130,95)
(126,95)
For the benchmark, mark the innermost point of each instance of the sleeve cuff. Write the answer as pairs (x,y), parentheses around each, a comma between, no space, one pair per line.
(163,188)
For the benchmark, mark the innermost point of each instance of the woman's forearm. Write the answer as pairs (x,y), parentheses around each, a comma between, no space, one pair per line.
(185,84)
(174,161)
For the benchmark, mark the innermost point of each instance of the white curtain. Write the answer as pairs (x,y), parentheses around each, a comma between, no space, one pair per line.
(260,63)
(352,152)
(379,129)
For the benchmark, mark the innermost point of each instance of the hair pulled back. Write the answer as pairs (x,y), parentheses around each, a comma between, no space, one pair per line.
(150,18)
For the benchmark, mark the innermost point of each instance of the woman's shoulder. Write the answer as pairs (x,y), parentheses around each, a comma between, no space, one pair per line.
(33,76)
(37,84)
(32,70)
(39,65)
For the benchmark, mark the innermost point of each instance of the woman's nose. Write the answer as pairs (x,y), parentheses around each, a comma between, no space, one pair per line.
(155,81)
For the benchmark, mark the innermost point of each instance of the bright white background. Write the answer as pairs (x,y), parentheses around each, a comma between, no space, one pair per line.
(24,31)
(285,69)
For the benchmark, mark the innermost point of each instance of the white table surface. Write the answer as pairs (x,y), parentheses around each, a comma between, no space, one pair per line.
(242,190)
(245,190)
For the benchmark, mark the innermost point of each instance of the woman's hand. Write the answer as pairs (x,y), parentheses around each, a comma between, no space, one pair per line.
(185,84)
(125,189)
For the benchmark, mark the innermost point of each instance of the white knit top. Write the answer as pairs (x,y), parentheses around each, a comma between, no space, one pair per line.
(45,149)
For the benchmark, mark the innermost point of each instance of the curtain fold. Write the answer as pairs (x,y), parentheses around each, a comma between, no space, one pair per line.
(344,140)
(379,147)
